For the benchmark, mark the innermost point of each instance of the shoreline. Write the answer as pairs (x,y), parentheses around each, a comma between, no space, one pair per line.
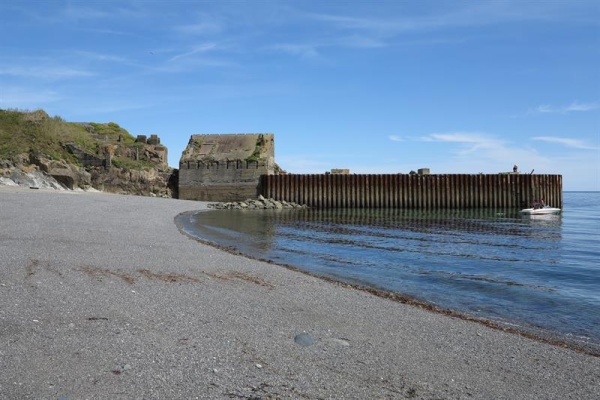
(529,332)
(103,296)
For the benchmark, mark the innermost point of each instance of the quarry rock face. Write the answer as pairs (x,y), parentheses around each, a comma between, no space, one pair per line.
(225,167)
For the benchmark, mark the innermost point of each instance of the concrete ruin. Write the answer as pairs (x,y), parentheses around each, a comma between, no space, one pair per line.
(225,167)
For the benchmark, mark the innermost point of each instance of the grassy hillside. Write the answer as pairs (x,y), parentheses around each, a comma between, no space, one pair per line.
(25,132)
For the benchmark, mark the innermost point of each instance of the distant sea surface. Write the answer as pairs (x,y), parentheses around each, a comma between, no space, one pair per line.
(537,274)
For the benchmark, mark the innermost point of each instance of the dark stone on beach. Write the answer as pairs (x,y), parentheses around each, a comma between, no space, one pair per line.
(304,340)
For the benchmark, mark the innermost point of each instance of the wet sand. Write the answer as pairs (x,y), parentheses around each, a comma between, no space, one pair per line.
(103,297)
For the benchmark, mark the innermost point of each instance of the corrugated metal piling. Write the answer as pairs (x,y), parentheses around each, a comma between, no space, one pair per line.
(428,192)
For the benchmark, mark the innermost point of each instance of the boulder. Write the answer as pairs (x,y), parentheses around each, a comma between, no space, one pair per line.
(260,204)
(65,176)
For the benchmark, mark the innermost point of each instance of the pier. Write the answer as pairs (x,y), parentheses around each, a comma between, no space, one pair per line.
(412,191)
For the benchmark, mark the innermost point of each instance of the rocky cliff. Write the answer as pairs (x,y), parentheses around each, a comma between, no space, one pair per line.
(37,150)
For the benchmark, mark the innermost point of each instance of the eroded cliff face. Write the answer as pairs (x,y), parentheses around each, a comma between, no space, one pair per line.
(40,172)
(144,182)
(43,152)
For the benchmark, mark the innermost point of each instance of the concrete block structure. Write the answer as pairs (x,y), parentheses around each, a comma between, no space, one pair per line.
(225,167)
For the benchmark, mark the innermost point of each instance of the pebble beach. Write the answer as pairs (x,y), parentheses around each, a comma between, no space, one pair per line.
(103,297)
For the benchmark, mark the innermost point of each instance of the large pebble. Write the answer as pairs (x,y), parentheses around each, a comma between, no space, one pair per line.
(304,340)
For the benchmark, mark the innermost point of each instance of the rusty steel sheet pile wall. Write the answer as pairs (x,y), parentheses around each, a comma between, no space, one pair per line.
(429,192)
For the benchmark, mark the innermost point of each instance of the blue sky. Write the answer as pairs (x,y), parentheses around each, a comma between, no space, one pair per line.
(373,86)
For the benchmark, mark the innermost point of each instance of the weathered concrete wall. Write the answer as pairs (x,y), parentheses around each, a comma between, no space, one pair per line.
(221,181)
(225,167)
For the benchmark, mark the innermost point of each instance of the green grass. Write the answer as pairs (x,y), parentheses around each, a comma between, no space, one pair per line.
(35,132)
(255,156)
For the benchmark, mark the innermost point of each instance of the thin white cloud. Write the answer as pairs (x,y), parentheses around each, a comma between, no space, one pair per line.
(302,50)
(76,12)
(568,142)
(372,30)
(44,72)
(573,107)
(30,99)
(105,11)
(395,138)
(311,49)
(543,109)
(473,14)
(487,151)
(204,48)
(102,57)
(304,164)
(582,107)
(109,108)
(471,141)
(201,28)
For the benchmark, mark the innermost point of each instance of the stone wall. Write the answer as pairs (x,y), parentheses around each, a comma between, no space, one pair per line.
(225,167)
(221,181)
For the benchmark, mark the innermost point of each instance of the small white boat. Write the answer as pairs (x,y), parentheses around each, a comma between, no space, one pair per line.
(545,210)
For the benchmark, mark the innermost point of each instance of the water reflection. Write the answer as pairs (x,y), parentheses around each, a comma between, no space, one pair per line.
(260,231)
(495,264)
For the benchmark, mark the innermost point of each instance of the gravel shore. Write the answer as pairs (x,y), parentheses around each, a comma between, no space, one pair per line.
(103,298)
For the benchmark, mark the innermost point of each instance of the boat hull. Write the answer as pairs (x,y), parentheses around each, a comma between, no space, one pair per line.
(540,211)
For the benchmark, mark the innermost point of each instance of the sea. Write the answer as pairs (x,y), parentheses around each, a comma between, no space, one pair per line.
(535,274)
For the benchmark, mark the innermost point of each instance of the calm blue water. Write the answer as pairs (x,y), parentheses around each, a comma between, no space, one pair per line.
(540,274)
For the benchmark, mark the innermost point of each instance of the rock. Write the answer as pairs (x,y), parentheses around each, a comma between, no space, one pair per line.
(304,340)
(7,182)
(260,204)
(34,178)
(65,176)
(341,342)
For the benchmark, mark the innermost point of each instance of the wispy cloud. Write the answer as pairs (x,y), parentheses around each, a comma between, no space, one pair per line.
(200,28)
(372,29)
(472,14)
(471,141)
(109,108)
(582,107)
(77,12)
(573,107)
(568,142)
(301,50)
(199,49)
(102,57)
(487,152)
(44,72)
(22,97)
(395,138)
(305,163)
(312,49)
(105,11)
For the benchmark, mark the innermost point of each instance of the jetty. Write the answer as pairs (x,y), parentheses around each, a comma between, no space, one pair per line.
(413,191)
(235,167)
